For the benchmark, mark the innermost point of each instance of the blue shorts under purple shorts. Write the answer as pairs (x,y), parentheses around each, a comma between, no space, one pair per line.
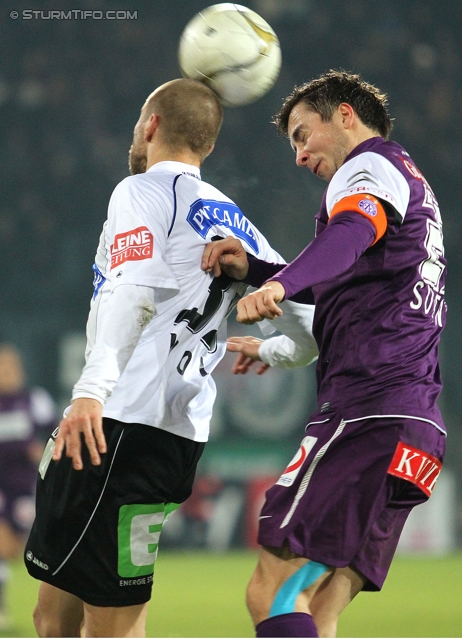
(344,498)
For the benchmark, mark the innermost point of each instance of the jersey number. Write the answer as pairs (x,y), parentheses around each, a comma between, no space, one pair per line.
(432,268)
(197,321)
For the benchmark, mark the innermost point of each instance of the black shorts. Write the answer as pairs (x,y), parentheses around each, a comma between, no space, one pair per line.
(96,531)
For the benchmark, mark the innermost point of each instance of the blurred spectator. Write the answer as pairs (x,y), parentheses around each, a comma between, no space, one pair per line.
(27,418)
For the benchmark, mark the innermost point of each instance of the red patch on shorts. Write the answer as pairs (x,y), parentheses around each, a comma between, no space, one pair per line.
(136,244)
(416,466)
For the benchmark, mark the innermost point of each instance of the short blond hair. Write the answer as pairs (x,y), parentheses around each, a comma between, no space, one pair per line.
(190,115)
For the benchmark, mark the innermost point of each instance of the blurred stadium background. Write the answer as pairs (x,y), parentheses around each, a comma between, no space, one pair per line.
(70,94)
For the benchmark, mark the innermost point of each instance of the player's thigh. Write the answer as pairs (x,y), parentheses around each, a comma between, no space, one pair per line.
(115,622)
(57,613)
(331,598)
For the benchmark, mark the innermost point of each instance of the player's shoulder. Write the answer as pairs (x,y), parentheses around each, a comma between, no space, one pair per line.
(142,192)
(142,182)
(206,190)
(378,165)
(377,156)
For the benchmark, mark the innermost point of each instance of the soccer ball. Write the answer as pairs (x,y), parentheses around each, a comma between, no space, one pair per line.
(233,51)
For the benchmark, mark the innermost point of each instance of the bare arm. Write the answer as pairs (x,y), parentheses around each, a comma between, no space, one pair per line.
(247,349)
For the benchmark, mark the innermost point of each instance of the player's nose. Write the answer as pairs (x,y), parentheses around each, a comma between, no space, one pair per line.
(302,158)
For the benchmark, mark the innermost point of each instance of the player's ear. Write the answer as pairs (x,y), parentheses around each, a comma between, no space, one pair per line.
(347,114)
(150,127)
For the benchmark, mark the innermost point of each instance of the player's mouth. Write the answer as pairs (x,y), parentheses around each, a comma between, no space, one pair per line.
(316,168)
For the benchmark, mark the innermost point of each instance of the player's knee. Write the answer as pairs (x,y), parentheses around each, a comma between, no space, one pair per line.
(263,603)
(40,622)
(257,603)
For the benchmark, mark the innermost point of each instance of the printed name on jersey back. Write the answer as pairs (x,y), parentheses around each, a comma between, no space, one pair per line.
(416,466)
(412,169)
(430,200)
(429,291)
(136,244)
(204,214)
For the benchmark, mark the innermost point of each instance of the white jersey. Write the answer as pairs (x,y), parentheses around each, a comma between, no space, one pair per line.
(158,225)
(298,350)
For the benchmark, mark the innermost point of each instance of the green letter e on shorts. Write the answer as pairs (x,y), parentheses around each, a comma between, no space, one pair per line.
(138,536)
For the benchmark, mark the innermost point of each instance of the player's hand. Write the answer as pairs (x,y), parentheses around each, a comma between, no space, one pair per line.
(261,303)
(247,348)
(85,416)
(228,255)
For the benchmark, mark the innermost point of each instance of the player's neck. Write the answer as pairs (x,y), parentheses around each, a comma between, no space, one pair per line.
(160,154)
(361,134)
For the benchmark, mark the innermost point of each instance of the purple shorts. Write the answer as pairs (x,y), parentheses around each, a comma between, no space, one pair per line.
(17,498)
(344,498)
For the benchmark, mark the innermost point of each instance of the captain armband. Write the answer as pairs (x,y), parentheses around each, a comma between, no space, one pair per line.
(367,206)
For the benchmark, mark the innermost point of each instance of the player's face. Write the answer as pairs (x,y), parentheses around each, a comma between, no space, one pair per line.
(137,156)
(11,372)
(320,146)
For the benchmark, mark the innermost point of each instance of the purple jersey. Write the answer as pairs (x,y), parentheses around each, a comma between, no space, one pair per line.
(378,323)
(24,417)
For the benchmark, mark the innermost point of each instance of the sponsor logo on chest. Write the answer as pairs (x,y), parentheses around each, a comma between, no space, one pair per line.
(204,214)
(416,466)
(136,244)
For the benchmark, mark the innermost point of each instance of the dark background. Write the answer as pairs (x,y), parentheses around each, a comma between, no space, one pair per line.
(70,94)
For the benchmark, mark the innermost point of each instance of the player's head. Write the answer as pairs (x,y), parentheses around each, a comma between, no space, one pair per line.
(186,116)
(11,370)
(331,115)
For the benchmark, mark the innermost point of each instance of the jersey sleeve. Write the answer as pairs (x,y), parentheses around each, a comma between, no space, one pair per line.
(299,347)
(120,319)
(364,185)
(282,352)
(137,232)
(367,206)
(329,255)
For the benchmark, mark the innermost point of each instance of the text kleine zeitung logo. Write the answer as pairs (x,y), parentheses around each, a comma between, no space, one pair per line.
(136,244)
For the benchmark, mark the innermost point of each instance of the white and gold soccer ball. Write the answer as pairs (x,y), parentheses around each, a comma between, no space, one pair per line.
(233,51)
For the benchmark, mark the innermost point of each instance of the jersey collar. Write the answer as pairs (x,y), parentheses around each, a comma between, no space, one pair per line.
(366,145)
(176,167)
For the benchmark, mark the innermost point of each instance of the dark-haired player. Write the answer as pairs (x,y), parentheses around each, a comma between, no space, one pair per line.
(373,449)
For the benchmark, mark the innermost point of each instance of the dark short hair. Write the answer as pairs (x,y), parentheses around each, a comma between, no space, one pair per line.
(324,94)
